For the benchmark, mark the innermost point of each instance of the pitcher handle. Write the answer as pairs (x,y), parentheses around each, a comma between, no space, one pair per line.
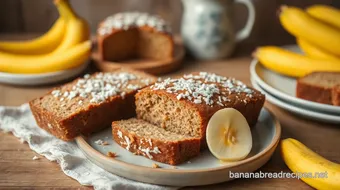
(246,30)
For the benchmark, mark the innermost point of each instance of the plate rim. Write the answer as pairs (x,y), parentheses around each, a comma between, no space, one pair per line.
(38,75)
(284,96)
(81,142)
(296,109)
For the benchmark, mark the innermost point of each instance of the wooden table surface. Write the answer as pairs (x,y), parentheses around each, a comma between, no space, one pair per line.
(18,170)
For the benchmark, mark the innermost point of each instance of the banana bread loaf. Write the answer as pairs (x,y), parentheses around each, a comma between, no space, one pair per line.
(319,87)
(133,34)
(185,105)
(89,104)
(143,138)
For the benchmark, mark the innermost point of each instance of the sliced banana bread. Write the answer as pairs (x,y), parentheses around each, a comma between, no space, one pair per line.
(319,87)
(336,95)
(90,103)
(143,138)
(184,105)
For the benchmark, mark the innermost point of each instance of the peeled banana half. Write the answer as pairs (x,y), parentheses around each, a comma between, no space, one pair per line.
(228,135)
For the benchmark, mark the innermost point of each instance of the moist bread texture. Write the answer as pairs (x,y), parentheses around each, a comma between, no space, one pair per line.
(89,104)
(185,105)
(321,87)
(143,138)
(132,34)
(336,95)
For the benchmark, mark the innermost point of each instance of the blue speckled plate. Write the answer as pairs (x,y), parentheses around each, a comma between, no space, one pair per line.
(202,170)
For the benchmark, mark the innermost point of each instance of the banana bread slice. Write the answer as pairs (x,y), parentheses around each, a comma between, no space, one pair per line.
(146,139)
(184,105)
(318,87)
(89,104)
(336,95)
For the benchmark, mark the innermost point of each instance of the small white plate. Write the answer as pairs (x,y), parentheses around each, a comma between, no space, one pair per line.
(202,170)
(40,79)
(316,116)
(284,87)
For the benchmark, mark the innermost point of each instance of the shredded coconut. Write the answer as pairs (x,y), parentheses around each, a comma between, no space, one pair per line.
(120,134)
(131,20)
(128,143)
(204,87)
(101,86)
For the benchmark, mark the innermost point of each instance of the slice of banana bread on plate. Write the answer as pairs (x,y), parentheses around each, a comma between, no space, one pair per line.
(184,105)
(318,87)
(156,143)
(336,95)
(89,104)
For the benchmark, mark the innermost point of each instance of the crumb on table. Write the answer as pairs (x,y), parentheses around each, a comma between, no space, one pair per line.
(102,143)
(35,158)
(111,154)
(154,165)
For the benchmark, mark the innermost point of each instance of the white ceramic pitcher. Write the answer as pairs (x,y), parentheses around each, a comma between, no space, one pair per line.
(207,27)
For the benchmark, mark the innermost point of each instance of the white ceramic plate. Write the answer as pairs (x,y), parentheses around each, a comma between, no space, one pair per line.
(322,117)
(40,79)
(284,87)
(202,170)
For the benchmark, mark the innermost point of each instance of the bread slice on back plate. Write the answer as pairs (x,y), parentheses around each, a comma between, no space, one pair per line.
(89,104)
(336,95)
(153,142)
(319,87)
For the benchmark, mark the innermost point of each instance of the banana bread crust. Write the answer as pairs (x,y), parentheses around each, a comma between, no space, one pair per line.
(172,153)
(249,106)
(336,95)
(86,118)
(313,93)
(321,87)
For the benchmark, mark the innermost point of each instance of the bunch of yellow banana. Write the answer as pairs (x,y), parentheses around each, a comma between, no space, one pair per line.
(318,34)
(66,45)
(313,169)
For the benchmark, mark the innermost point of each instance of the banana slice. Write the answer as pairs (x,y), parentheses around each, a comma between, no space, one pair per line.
(228,135)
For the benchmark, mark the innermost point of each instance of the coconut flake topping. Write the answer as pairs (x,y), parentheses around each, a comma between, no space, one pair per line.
(204,87)
(129,20)
(102,86)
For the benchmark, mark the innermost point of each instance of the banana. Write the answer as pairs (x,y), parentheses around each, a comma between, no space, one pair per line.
(327,14)
(314,51)
(41,45)
(77,29)
(300,158)
(71,58)
(302,25)
(228,135)
(292,64)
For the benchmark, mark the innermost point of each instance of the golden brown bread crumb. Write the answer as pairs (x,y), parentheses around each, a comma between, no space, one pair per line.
(154,165)
(111,154)
(154,142)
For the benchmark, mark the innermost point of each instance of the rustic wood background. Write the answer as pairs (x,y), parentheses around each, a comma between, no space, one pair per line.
(36,16)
